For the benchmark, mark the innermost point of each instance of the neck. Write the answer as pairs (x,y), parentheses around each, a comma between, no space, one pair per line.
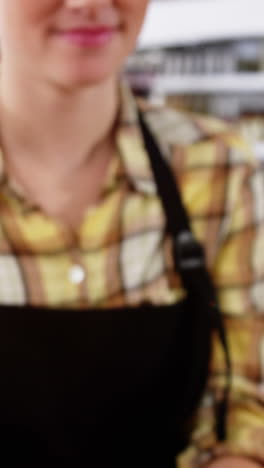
(54,128)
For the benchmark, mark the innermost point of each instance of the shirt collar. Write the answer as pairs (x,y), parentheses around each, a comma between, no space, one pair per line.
(131,147)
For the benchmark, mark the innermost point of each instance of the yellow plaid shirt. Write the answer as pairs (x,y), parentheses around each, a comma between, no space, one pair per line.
(120,253)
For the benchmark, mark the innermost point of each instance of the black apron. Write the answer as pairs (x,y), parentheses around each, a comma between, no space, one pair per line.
(116,387)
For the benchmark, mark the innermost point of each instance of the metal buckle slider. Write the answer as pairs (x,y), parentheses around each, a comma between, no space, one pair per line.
(188,252)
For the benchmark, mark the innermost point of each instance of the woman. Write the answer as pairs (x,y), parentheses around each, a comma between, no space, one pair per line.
(86,267)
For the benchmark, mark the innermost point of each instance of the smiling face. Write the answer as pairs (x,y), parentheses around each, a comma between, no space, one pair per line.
(72,43)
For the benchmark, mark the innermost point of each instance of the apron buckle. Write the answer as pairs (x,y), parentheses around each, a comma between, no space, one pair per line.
(188,252)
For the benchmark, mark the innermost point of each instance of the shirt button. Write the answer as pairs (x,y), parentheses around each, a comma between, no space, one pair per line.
(76,274)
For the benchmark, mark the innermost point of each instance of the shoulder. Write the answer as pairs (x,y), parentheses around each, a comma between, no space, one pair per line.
(215,170)
(200,139)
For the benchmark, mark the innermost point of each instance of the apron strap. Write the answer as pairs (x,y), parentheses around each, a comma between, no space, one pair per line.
(188,254)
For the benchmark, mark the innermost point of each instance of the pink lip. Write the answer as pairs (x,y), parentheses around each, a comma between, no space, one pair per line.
(89,37)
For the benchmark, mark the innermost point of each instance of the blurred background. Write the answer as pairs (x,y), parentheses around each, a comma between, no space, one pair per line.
(205,56)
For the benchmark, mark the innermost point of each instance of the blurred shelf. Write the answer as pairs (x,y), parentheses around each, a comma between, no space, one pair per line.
(259,150)
(202,84)
(182,22)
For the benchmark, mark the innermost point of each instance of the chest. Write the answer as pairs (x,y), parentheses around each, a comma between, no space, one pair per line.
(119,255)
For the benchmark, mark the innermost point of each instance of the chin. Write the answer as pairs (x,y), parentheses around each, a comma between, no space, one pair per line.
(74,83)
(86,74)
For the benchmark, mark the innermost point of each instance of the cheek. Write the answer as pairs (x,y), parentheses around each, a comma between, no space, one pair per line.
(38,11)
(134,13)
(22,23)
(134,10)
(27,11)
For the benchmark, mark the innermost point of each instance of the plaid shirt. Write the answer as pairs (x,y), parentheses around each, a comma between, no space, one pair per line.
(120,254)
